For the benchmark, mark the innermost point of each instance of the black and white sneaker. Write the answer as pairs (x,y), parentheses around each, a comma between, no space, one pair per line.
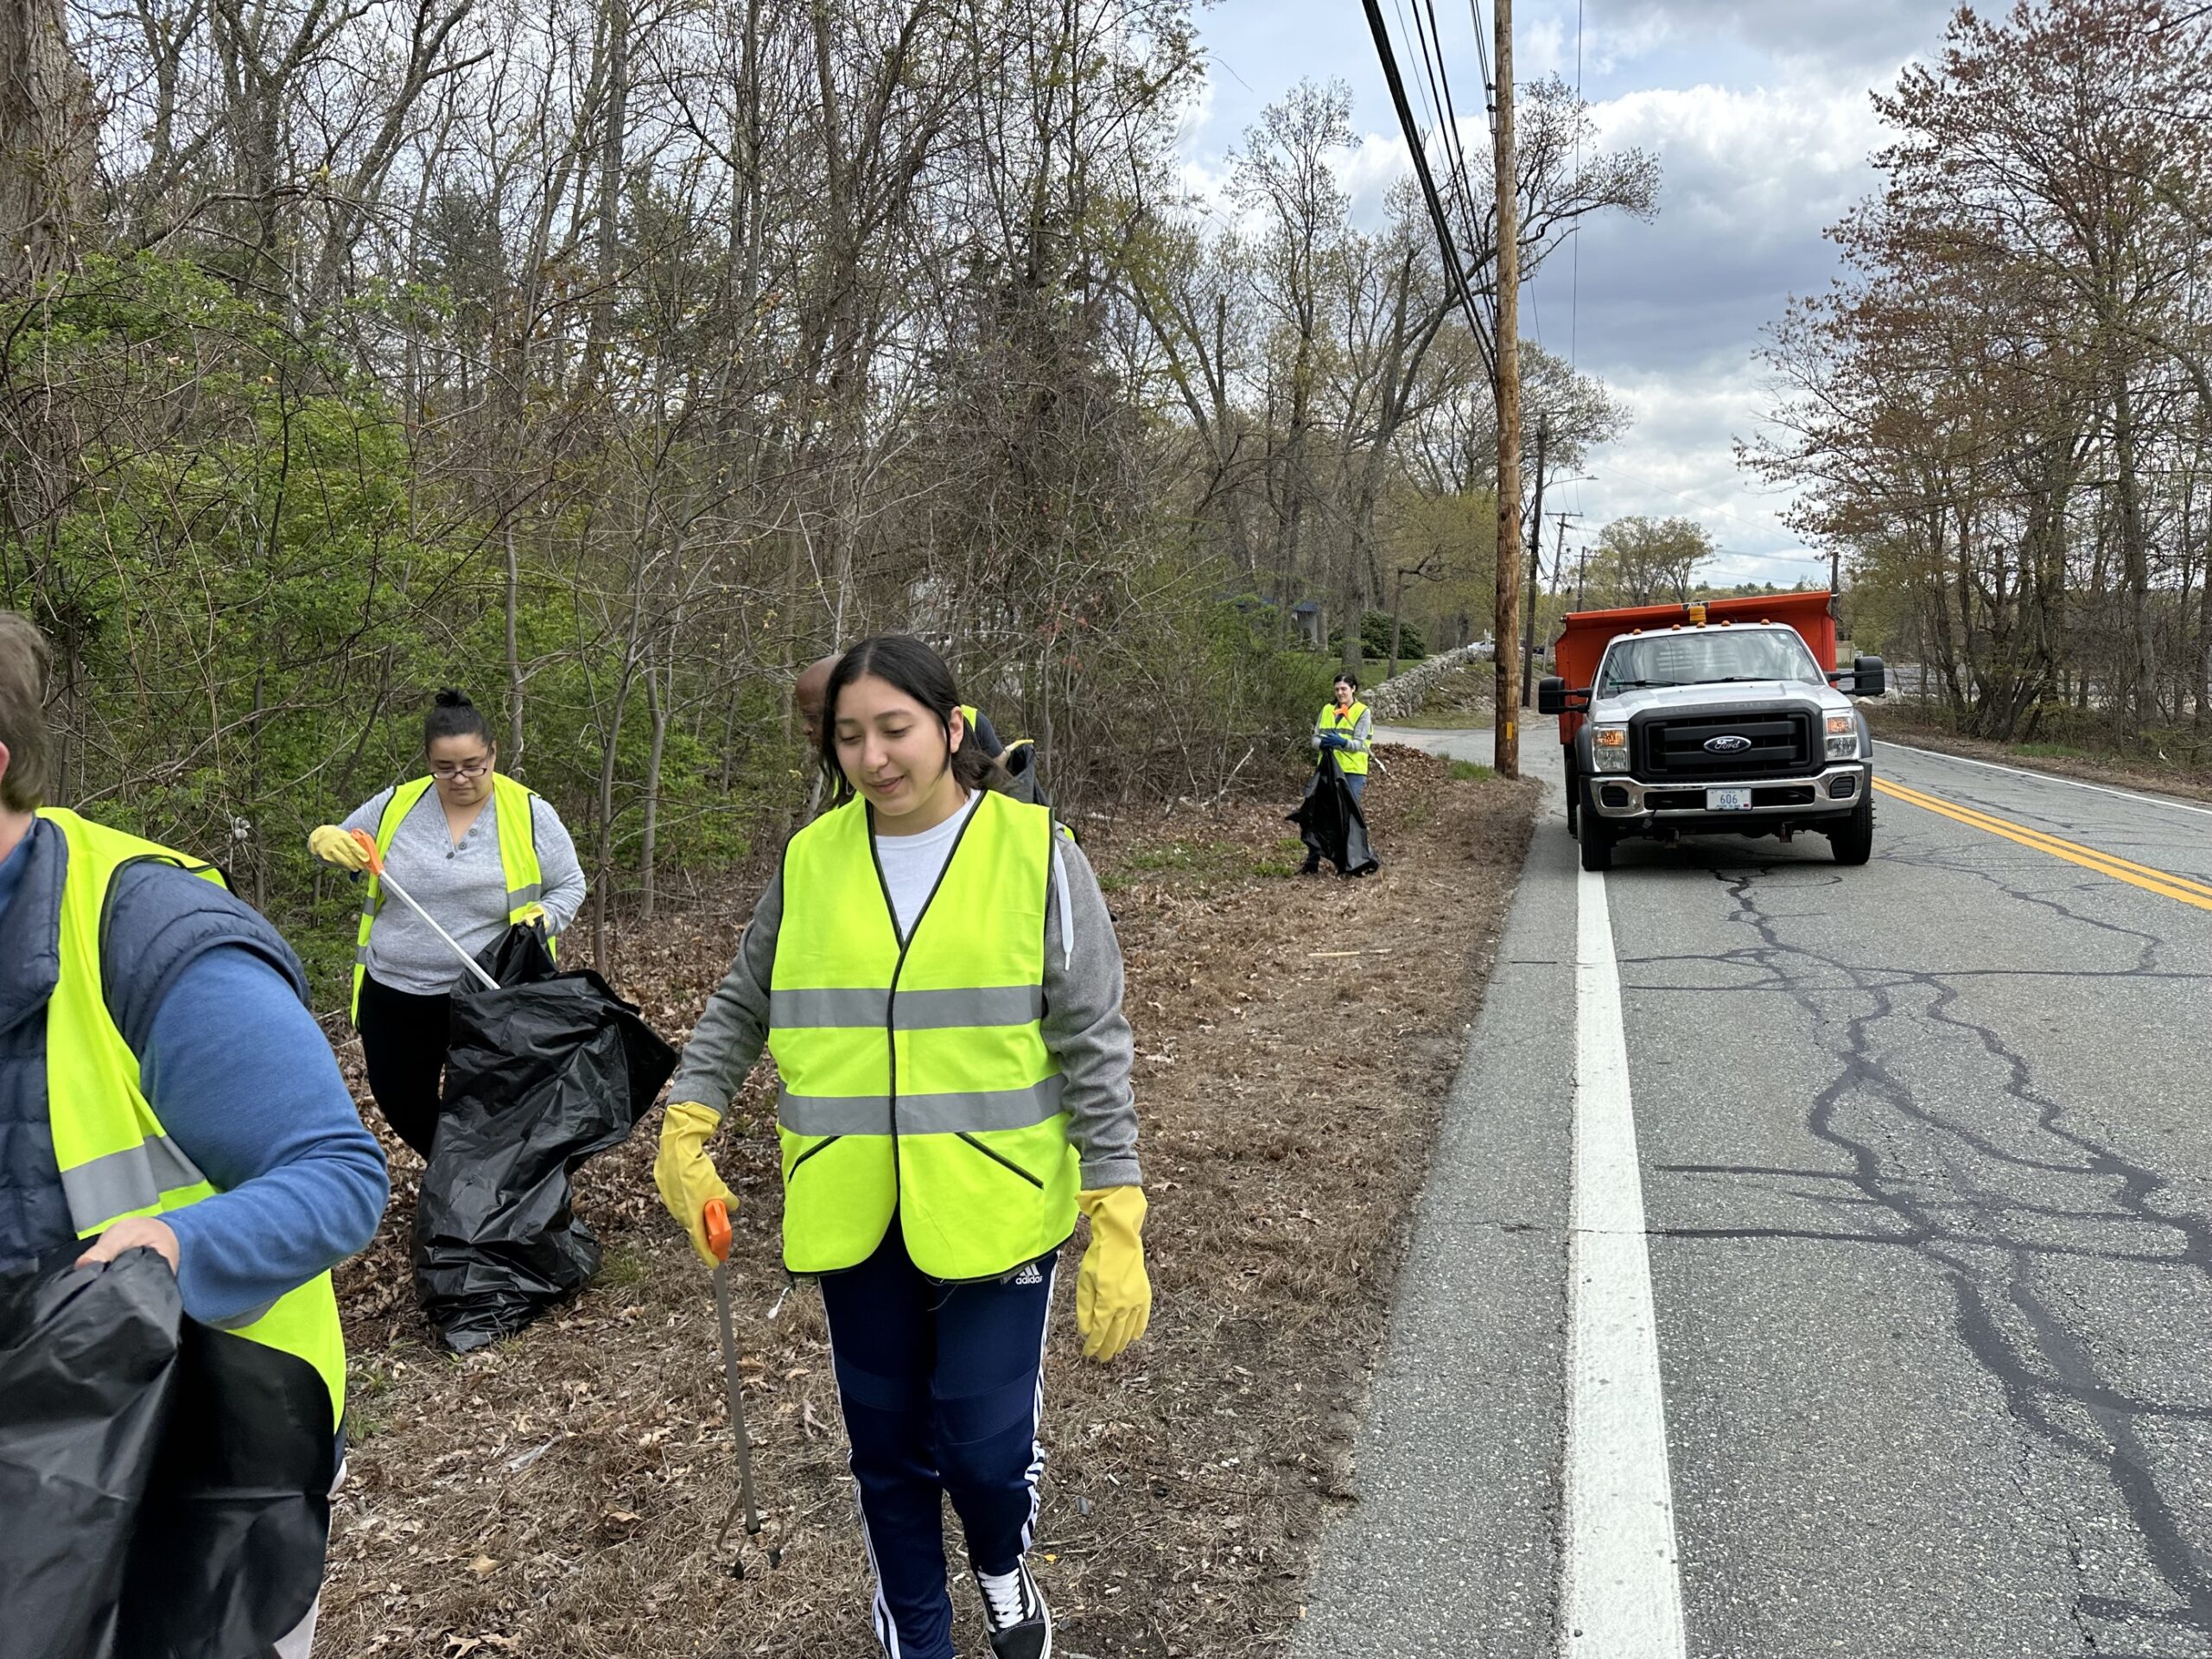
(1014,1615)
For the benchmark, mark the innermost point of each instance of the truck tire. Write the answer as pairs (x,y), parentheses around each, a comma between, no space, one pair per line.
(1573,795)
(1597,842)
(1852,839)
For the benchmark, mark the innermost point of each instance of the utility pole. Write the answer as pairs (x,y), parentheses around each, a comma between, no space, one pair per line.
(1558,584)
(1507,755)
(1535,559)
(1559,556)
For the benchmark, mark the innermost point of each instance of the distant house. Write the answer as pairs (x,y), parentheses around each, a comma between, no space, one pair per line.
(1307,616)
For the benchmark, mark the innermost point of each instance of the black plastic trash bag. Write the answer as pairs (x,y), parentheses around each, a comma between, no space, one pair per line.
(1330,823)
(88,1377)
(229,1552)
(541,1073)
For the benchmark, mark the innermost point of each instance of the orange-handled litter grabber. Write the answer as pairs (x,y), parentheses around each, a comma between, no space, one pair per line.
(716,1217)
(367,844)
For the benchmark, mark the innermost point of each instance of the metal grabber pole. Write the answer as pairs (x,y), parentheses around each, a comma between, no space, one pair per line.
(368,844)
(717,1217)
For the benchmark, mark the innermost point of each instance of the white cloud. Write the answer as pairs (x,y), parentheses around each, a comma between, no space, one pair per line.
(1755,161)
(1854,37)
(1758,113)
(1377,163)
(1678,458)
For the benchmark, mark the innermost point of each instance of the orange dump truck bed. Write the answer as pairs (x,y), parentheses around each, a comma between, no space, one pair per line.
(1585,634)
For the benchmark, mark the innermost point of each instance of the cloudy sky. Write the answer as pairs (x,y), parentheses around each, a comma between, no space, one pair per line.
(1758,111)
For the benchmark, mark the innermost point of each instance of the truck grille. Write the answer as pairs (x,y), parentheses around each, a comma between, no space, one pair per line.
(1668,750)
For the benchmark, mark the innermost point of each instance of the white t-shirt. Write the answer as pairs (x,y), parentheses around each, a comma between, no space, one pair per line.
(911,864)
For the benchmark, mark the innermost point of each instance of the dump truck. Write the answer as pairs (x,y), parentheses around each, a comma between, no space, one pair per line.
(1719,717)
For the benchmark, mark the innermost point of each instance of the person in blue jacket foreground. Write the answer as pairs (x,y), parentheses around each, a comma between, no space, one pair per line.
(164,1087)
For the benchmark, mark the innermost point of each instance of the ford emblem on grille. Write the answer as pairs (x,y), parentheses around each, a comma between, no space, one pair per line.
(1727,743)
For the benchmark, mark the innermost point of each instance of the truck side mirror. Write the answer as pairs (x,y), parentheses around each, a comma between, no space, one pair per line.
(1869,677)
(1551,696)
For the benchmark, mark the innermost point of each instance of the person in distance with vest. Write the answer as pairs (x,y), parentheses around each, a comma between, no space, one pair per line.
(935,975)
(1345,727)
(164,1087)
(477,850)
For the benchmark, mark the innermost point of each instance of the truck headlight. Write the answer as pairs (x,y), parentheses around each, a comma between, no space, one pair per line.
(1609,748)
(1843,737)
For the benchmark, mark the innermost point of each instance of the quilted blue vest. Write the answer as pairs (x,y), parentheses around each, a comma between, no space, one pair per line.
(159,920)
(33,1215)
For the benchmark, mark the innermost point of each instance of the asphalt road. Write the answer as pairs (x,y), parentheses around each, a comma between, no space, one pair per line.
(1925,1152)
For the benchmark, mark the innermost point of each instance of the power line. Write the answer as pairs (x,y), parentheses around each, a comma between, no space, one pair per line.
(1574,264)
(1412,30)
(1444,240)
(1455,153)
(1482,57)
(1431,41)
(1575,254)
(1490,90)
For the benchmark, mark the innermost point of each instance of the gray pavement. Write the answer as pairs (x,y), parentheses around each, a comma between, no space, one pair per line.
(1927,1170)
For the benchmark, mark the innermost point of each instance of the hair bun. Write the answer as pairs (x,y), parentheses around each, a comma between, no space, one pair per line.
(449,698)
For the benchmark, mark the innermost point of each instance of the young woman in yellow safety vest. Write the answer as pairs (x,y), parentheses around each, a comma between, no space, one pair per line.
(935,975)
(479,852)
(1345,726)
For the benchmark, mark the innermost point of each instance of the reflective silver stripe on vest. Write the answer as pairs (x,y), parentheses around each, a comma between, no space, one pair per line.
(119,1182)
(834,1113)
(953,1010)
(972,1111)
(526,894)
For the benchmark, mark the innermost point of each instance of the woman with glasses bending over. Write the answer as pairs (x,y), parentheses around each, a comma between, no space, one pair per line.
(479,852)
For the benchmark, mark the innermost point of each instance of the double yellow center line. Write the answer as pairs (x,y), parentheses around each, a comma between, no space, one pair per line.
(2089,858)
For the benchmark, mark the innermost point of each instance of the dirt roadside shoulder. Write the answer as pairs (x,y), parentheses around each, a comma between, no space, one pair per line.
(561,1493)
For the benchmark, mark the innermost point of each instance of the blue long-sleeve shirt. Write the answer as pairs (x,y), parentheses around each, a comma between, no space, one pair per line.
(244,1083)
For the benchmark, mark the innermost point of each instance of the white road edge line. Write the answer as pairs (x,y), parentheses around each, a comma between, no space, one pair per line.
(1620,1582)
(1881,743)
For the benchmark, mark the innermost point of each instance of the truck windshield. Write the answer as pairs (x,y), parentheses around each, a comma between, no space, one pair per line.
(1706,659)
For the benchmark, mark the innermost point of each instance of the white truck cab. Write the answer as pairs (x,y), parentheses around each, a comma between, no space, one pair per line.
(1717,728)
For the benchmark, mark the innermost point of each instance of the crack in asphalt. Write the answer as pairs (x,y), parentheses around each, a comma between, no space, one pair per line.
(2043,1367)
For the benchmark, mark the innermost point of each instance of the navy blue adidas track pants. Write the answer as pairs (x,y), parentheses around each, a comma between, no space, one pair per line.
(942,1387)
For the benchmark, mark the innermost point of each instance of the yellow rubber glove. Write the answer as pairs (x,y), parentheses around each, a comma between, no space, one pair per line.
(686,1175)
(534,915)
(1113,1297)
(334,846)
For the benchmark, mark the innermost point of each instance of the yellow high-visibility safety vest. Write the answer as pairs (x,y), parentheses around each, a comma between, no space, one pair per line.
(518,826)
(1345,720)
(915,1074)
(114,1158)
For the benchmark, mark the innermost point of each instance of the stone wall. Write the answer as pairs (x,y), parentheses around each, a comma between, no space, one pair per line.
(1401,696)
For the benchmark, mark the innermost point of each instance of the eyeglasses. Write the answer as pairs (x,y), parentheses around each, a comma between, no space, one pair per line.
(446,772)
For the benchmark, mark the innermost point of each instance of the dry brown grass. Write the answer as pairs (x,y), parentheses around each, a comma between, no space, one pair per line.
(561,1494)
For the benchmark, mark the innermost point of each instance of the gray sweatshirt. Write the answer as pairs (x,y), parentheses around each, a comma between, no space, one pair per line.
(1084,1025)
(464,886)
